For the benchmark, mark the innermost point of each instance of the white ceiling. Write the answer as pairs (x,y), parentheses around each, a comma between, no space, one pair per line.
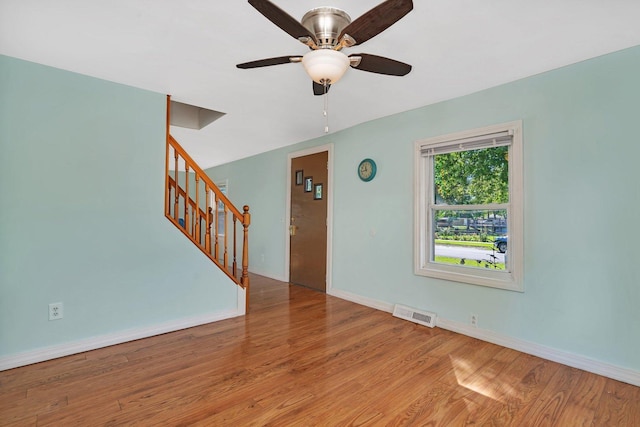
(189,49)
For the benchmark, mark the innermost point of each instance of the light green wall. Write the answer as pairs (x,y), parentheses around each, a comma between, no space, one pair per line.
(581,208)
(260,189)
(81,214)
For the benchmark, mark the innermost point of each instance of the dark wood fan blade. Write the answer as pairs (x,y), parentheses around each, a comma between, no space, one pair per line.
(319,89)
(377,20)
(381,65)
(267,62)
(282,19)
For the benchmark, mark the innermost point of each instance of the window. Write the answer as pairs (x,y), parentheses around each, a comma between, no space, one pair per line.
(469,218)
(223,186)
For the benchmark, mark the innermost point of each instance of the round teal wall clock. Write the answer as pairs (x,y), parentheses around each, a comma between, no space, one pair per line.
(367,170)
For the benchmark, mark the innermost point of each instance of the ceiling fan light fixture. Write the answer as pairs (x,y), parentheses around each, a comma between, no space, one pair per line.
(325,66)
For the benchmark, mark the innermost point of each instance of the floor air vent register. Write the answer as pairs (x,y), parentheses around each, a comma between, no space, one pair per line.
(416,316)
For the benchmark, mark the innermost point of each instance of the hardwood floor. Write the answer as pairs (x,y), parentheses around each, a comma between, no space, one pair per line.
(302,358)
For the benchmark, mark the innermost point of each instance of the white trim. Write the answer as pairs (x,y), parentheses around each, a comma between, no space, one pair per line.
(564,357)
(608,370)
(369,302)
(75,347)
(268,274)
(329,194)
(597,367)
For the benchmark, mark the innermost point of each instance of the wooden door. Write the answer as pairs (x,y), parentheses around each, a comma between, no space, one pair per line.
(308,227)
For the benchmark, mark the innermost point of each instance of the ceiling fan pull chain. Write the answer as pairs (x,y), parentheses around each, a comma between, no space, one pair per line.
(326,109)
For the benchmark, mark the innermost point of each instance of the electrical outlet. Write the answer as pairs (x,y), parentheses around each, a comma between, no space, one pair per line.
(56,311)
(473,319)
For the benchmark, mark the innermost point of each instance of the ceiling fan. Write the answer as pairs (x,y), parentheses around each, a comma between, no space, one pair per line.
(326,31)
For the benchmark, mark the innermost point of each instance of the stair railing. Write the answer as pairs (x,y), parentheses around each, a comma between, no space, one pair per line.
(195,205)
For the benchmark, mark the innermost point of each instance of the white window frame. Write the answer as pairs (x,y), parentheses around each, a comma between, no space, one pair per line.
(512,278)
(223,186)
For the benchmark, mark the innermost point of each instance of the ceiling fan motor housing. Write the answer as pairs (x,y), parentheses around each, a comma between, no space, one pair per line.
(326,23)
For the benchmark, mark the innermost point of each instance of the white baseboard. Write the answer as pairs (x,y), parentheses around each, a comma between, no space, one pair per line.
(574,360)
(369,302)
(570,359)
(566,358)
(268,275)
(66,349)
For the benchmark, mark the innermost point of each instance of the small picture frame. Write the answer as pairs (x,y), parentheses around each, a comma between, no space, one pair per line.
(299,174)
(308,184)
(317,192)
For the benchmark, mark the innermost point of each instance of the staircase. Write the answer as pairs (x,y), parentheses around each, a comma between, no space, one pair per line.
(197,207)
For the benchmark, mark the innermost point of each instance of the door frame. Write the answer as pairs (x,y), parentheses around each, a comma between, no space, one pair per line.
(328,194)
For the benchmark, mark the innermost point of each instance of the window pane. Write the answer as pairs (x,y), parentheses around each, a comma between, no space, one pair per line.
(471,238)
(221,215)
(221,212)
(472,177)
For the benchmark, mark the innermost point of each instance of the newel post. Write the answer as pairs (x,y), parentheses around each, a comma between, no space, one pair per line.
(244,280)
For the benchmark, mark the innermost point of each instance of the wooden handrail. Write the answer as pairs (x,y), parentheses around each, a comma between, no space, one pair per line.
(196,169)
(187,205)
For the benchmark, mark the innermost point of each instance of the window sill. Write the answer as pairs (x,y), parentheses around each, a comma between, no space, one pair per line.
(472,276)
